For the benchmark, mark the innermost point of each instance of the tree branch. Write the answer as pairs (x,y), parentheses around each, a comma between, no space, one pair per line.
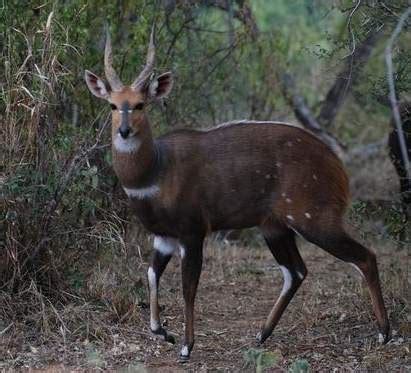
(244,14)
(346,79)
(392,94)
(304,115)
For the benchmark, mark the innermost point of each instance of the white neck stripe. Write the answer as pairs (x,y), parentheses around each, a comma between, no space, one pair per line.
(142,193)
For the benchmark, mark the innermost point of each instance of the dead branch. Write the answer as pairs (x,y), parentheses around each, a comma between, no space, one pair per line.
(346,79)
(304,115)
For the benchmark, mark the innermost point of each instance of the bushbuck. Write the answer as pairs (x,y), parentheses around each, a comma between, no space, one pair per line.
(188,183)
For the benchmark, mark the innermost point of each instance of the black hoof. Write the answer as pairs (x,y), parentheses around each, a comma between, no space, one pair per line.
(170,339)
(161,332)
(182,359)
(384,338)
(261,337)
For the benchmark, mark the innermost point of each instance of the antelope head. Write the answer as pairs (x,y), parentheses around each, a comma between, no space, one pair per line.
(128,103)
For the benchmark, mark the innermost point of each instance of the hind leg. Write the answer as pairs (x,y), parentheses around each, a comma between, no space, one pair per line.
(281,243)
(338,243)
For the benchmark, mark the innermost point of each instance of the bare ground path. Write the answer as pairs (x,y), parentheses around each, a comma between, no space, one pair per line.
(329,323)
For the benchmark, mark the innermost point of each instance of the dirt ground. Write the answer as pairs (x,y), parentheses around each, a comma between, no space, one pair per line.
(329,323)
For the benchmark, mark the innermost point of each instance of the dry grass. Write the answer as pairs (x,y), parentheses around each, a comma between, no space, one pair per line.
(329,323)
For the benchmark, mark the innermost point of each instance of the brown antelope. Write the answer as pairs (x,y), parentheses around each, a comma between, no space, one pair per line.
(242,174)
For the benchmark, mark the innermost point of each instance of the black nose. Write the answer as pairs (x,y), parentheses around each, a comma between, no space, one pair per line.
(124,132)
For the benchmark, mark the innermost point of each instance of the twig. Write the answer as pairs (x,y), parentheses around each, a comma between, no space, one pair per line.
(392,94)
(4,331)
(346,79)
(350,28)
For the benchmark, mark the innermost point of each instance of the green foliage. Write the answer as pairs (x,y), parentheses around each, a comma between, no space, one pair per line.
(300,366)
(260,359)
(394,221)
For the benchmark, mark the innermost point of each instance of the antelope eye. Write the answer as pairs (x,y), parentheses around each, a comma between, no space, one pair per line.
(139,106)
(113,107)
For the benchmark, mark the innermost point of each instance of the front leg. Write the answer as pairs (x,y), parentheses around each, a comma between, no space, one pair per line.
(191,264)
(163,251)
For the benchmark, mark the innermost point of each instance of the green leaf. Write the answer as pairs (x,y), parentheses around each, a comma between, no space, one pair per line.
(300,366)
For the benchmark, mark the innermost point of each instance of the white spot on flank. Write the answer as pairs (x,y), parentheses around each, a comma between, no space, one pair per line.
(142,193)
(166,245)
(290,217)
(287,280)
(307,215)
(129,145)
(184,351)
(288,200)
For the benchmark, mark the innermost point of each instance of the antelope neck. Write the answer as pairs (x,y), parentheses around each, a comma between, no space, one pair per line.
(140,168)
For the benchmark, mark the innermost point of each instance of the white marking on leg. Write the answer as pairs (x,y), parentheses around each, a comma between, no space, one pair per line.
(357,269)
(182,251)
(166,245)
(129,145)
(288,279)
(142,193)
(152,282)
(300,275)
(184,351)
(296,232)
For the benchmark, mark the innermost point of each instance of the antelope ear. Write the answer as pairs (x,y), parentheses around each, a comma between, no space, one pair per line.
(161,86)
(96,85)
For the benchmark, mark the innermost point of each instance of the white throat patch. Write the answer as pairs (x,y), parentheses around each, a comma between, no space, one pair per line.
(129,145)
(142,193)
